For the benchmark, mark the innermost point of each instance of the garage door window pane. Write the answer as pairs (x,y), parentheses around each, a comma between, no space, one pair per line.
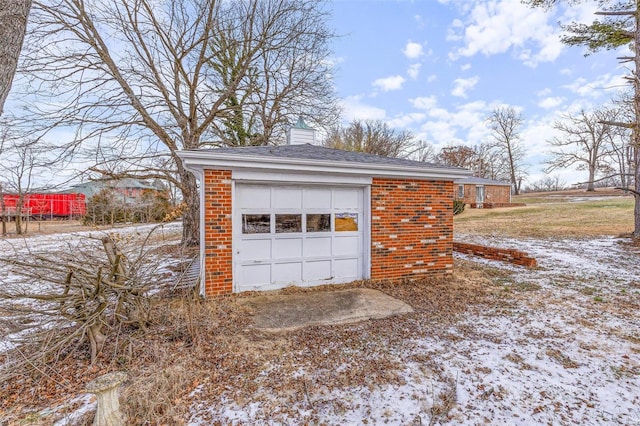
(318,222)
(288,223)
(346,222)
(256,223)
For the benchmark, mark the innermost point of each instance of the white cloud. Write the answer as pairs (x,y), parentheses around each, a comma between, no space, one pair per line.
(414,71)
(452,32)
(604,85)
(389,83)
(495,27)
(424,102)
(551,102)
(413,50)
(464,125)
(432,78)
(462,85)
(405,120)
(544,92)
(354,108)
(465,67)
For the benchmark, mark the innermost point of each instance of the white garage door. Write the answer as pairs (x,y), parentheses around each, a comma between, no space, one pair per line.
(297,235)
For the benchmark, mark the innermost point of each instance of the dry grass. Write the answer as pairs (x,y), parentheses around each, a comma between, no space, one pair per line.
(48,227)
(545,216)
(200,350)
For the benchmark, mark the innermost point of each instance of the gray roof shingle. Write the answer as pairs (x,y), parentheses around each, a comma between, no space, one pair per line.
(321,153)
(481,181)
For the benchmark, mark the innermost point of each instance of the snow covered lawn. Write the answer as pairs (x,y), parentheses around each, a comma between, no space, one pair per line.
(559,344)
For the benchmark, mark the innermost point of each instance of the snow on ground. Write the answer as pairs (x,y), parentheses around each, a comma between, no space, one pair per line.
(566,350)
(49,245)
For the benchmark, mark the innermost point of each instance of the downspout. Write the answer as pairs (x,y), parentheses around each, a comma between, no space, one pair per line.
(199,174)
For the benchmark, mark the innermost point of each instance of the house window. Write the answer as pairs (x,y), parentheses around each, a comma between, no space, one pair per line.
(256,223)
(317,222)
(460,192)
(346,222)
(286,223)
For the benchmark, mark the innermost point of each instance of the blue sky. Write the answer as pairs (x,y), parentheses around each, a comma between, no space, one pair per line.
(439,67)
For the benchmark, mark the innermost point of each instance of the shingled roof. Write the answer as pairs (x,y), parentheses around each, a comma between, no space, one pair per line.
(321,153)
(315,159)
(481,181)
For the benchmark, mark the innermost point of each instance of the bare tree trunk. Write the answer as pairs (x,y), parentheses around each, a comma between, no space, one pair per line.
(19,217)
(3,212)
(636,210)
(636,127)
(13,25)
(191,215)
(636,175)
(592,176)
(512,171)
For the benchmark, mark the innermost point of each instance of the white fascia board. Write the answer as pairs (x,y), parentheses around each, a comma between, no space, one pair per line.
(208,160)
(301,177)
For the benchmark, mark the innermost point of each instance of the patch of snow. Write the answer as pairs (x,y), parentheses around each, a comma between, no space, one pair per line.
(558,355)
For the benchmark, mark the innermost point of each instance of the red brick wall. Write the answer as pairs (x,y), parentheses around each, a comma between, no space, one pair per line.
(218,267)
(506,255)
(495,194)
(411,228)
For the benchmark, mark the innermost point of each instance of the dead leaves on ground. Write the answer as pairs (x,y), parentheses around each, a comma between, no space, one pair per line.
(205,351)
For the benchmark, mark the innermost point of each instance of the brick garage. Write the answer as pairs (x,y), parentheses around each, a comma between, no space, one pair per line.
(301,214)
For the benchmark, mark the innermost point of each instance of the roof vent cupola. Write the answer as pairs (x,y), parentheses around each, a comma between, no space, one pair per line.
(301,134)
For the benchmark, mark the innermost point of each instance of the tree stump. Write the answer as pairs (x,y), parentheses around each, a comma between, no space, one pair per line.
(106,390)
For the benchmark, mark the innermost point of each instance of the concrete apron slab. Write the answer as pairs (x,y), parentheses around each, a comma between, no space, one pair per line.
(292,311)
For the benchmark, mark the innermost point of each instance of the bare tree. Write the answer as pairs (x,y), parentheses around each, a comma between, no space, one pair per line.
(584,143)
(140,80)
(458,156)
(617,25)
(505,124)
(548,183)
(622,150)
(291,76)
(490,163)
(483,160)
(13,24)
(3,208)
(423,151)
(370,136)
(17,170)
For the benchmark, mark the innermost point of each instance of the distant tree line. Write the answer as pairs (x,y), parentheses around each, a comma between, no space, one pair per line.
(109,207)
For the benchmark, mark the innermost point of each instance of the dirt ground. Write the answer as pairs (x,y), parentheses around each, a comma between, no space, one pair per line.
(48,227)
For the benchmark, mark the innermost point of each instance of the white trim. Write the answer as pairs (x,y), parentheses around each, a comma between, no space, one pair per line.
(213,160)
(199,174)
(235,228)
(366,254)
(299,178)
